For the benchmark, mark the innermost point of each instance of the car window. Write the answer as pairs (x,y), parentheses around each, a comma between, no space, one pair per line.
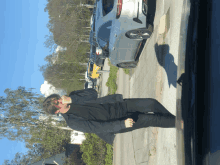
(107,6)
(91,67)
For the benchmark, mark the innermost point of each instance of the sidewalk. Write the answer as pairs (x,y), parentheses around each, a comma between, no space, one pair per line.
(104,79)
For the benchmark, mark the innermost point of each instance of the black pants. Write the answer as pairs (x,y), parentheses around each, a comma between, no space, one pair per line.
(138,110)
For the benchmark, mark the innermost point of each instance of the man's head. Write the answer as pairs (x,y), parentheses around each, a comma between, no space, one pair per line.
(53,105)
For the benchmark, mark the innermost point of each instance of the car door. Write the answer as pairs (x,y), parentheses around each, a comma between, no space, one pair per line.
(103,36)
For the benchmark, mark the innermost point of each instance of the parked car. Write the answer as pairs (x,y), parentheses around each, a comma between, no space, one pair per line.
(120,26)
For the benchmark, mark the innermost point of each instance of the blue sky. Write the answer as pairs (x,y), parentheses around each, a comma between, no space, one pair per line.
(22,32)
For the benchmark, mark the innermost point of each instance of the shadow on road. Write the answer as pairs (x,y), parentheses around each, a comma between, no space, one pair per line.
(166,60)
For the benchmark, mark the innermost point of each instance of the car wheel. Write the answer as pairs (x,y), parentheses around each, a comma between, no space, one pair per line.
(139,34)
(128,65)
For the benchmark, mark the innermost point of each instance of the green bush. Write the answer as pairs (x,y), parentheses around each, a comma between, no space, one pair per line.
(109,154)
(111,83)
(96,151)
(75,158)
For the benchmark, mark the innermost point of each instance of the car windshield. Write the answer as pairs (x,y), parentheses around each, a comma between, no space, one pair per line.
(107,6)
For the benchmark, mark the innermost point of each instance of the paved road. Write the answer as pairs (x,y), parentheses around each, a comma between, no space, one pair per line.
(154,77)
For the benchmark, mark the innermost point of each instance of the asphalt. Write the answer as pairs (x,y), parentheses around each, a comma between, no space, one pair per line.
(161,63)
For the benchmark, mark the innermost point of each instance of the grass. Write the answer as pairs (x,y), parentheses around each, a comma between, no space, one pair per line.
(111,83)
(126,71)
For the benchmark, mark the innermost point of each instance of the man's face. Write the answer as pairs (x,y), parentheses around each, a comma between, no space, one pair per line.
(63,108)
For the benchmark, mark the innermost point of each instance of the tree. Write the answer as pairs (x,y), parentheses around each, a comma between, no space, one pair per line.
(49,43)
(52,139)
(64,74)
(66,20)
(19,159)
(35,153)
(19,120)
(68,24)
(19,112)
(51,58)
(75,158)
(44,143)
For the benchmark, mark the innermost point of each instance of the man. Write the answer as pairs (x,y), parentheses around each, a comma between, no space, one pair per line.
(109,115)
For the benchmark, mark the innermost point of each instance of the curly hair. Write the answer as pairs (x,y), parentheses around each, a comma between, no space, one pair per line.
(49,105)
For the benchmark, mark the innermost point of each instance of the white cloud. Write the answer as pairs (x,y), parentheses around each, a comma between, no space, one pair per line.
(55,54)
(59,48)
(48,89)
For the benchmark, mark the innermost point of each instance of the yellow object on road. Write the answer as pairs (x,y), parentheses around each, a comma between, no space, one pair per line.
(92,70)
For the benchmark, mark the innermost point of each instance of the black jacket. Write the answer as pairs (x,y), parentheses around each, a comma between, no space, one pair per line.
(92,114)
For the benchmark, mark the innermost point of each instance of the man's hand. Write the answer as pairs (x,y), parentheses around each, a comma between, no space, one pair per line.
(129,122)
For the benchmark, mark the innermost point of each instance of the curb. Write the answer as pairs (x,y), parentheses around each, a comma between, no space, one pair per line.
(180,71)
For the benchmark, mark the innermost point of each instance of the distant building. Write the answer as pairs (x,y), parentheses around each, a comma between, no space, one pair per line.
(77,137)
(46,117)
(58,159)
(53,160)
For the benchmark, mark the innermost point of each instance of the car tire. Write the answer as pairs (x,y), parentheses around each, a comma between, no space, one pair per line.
(140,34)
(128,65)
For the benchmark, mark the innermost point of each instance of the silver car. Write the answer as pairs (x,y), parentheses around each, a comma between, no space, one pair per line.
(120,27)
